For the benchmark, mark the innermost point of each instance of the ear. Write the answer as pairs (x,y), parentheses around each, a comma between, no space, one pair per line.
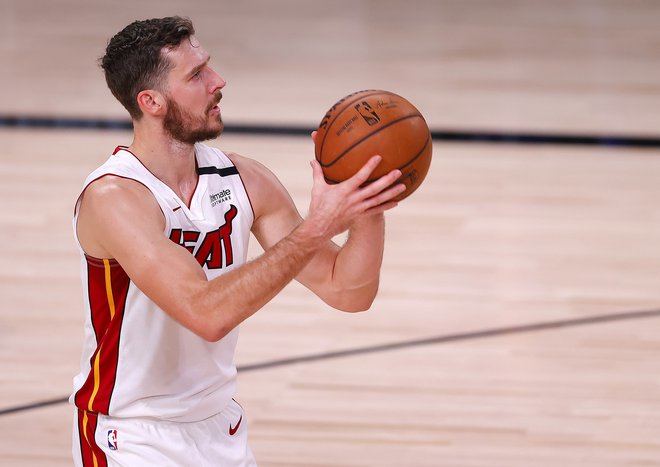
(151,102)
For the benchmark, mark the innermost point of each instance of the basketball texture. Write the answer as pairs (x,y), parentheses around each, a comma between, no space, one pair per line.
(367,123)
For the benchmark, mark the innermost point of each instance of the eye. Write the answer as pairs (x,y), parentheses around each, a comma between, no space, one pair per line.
(197,74)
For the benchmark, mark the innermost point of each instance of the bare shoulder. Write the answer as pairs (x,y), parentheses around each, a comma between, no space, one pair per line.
(252,170)
(107,206)
(112,192)
(113,185)
(274,211)
(264,188)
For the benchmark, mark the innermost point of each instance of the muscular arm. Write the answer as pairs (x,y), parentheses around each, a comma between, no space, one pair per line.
(345,277)
(120,219)
(356,270)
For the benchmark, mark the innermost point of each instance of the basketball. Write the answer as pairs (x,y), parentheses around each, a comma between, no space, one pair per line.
(368,123)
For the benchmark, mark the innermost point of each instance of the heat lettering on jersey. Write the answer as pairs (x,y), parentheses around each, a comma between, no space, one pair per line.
(184,238)
(214,250)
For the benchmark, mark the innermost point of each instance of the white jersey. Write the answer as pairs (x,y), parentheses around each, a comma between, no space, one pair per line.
(137,361)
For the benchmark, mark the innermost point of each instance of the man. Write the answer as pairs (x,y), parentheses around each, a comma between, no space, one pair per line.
(163,226)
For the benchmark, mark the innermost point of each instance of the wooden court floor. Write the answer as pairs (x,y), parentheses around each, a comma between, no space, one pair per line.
(517,319)
(478,351)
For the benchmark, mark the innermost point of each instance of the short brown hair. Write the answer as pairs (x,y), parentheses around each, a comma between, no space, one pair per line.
(134,61)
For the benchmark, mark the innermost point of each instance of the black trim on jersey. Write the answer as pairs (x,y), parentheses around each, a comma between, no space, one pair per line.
(223,172)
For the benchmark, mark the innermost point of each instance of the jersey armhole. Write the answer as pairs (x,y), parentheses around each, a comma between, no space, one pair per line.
(247,193)
(76,208)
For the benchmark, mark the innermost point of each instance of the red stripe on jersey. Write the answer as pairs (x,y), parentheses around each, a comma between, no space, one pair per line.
(91,453)
(108,287)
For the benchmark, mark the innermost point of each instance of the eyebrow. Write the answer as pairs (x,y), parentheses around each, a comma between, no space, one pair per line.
(199,67)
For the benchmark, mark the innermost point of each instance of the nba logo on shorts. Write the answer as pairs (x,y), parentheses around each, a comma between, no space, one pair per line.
(112,439)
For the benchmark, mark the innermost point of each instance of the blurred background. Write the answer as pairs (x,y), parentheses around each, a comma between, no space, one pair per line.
(516,322)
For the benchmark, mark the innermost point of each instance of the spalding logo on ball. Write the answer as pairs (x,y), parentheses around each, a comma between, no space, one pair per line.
(367,123)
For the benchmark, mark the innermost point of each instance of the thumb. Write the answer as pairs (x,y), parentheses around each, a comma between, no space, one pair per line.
(317,171)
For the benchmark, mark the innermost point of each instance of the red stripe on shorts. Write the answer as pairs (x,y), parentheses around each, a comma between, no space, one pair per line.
(91,453)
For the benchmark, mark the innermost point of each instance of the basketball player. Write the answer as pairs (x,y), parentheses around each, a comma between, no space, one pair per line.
(163,226)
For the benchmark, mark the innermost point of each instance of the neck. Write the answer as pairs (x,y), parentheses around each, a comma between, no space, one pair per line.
(173,162)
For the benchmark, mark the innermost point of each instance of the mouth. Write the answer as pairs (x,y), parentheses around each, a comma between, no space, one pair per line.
(216,106)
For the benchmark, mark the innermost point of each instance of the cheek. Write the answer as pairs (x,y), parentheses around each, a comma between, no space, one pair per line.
(191,96)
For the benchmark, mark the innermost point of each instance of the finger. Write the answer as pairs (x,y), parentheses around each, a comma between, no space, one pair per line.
(386,195)
(384,201)
(381,183)
(381,208)
(314,133)
(317,172)
(367,169)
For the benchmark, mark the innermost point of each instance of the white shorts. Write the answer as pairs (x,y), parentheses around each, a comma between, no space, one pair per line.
(100,441)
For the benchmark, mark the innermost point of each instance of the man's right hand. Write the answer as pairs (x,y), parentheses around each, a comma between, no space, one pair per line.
(333,208)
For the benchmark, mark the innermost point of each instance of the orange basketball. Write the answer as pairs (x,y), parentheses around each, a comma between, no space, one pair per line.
(367,123)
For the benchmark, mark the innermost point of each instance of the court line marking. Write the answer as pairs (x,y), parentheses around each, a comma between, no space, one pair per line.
(470,335)
(639,141)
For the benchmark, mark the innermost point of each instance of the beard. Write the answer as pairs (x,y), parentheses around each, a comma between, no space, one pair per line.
(187,128)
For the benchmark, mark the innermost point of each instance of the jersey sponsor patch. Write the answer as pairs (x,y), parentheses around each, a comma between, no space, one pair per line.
(220,197)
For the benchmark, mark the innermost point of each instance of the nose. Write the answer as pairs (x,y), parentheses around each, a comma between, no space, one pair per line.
(216,81)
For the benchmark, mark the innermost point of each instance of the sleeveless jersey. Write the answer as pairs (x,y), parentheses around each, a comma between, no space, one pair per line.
(138,361)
